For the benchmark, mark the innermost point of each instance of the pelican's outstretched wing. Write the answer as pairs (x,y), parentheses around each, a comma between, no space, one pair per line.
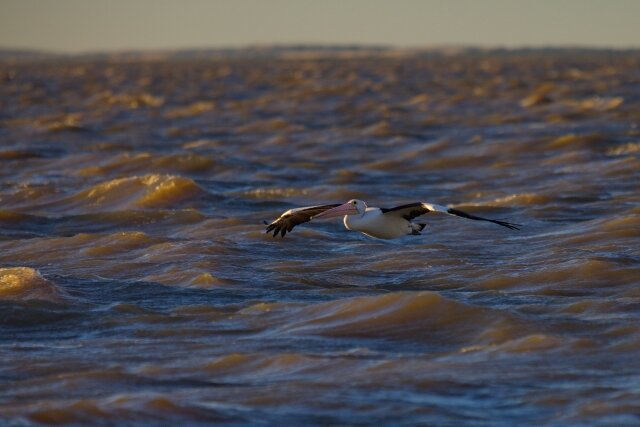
(293,217)
(413,210)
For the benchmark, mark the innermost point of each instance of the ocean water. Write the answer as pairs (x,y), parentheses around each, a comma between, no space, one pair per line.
(137,285)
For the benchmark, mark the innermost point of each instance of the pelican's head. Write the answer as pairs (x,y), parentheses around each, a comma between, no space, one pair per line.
(360,205)
(352,207)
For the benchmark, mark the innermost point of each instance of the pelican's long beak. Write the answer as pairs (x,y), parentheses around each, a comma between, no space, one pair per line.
(344,209)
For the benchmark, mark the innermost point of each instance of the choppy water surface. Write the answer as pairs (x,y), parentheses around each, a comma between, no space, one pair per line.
(138,286)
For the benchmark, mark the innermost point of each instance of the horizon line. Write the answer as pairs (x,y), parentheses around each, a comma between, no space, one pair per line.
(317,45)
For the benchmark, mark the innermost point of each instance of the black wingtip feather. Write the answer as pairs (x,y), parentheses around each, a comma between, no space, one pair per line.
(510,225)
(462,214)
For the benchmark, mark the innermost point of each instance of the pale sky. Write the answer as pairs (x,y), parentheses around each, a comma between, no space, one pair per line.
(98,25)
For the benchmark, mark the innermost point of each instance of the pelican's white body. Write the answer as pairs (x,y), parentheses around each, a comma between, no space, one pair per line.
(374,223)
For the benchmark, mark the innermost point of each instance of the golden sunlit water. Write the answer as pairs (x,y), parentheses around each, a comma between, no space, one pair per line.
(137,285)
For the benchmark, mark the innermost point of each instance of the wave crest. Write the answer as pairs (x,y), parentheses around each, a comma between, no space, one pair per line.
(24,283)
(421,316)
(137,192)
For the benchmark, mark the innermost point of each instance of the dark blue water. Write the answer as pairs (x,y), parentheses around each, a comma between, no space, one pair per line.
(137,285)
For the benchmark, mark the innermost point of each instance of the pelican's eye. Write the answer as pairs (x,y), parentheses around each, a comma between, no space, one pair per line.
(354,202)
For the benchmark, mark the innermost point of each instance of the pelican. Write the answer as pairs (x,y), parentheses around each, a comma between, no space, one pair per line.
(381,223)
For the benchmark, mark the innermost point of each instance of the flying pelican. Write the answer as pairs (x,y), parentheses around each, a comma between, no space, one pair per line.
(374,222)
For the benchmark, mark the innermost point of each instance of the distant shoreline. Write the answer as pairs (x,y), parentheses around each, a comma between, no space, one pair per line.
(297,52)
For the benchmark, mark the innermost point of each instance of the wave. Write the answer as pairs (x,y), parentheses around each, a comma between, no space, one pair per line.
(416,316)
(147,162)
(130,193)
(117,408)
(518,199)
(24,283)
(266,126)
(591,273)
(20,225)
